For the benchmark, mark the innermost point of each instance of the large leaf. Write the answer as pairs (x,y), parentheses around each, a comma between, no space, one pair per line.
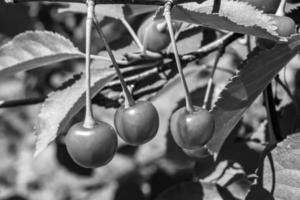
(286,163)
(30,50)
(233,16)
(166,101)
(61,106)
(245,87)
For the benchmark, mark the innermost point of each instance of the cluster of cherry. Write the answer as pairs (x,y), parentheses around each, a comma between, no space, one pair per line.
(93,143)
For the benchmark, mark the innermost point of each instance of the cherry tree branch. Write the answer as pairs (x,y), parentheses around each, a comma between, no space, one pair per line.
(200,53)
(38,100)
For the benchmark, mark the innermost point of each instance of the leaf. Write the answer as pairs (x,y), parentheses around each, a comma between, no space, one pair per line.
(229,17)
(286,161)
(111,10)
(61,106)
(258,193)
(166,101)
(245,87)
(195,191)
(295,15)
(31,50)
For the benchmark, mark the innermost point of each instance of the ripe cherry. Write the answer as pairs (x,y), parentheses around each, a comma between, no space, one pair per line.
(154,34)
(268,6)
(286,25)
(91,147)
(138,123)
(192,130)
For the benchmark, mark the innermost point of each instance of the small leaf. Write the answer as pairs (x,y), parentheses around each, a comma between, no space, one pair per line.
(245,87)
(61,106)
(228,17)
(295,15)
(31,50)
(286,163)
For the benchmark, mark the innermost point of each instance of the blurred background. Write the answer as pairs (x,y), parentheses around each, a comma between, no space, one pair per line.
(53,175)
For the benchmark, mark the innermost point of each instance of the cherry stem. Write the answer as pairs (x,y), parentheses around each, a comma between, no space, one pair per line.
(89,121)
(210,81)
(128,97)
(281,8)
(167,14)
(132,33)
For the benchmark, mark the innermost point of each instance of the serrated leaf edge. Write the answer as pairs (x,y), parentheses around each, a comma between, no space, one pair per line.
(206,7)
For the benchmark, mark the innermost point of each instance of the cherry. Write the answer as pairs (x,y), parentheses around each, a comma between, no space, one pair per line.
(285,28)
(268,6)
(138,123)
(286,25)
(90,144)
(191,126)
(192,129)
(154,34)
(91,147)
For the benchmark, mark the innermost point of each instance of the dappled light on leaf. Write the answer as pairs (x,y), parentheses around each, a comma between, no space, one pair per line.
(286,163)
(229,17)
(61,106)
(31,50)
(245,87)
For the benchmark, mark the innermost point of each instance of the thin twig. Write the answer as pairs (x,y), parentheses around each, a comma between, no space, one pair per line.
(38,100)
(21,102)
(132,33)
(135,78)
(104,58)
(203,51)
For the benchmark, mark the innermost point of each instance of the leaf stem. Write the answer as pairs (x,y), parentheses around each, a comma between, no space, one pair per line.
(128,97)
(89,121)
(132,33)
(167,15)
(210,81)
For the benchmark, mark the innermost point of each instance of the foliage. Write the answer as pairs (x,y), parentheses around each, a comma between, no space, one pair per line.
(45,67)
